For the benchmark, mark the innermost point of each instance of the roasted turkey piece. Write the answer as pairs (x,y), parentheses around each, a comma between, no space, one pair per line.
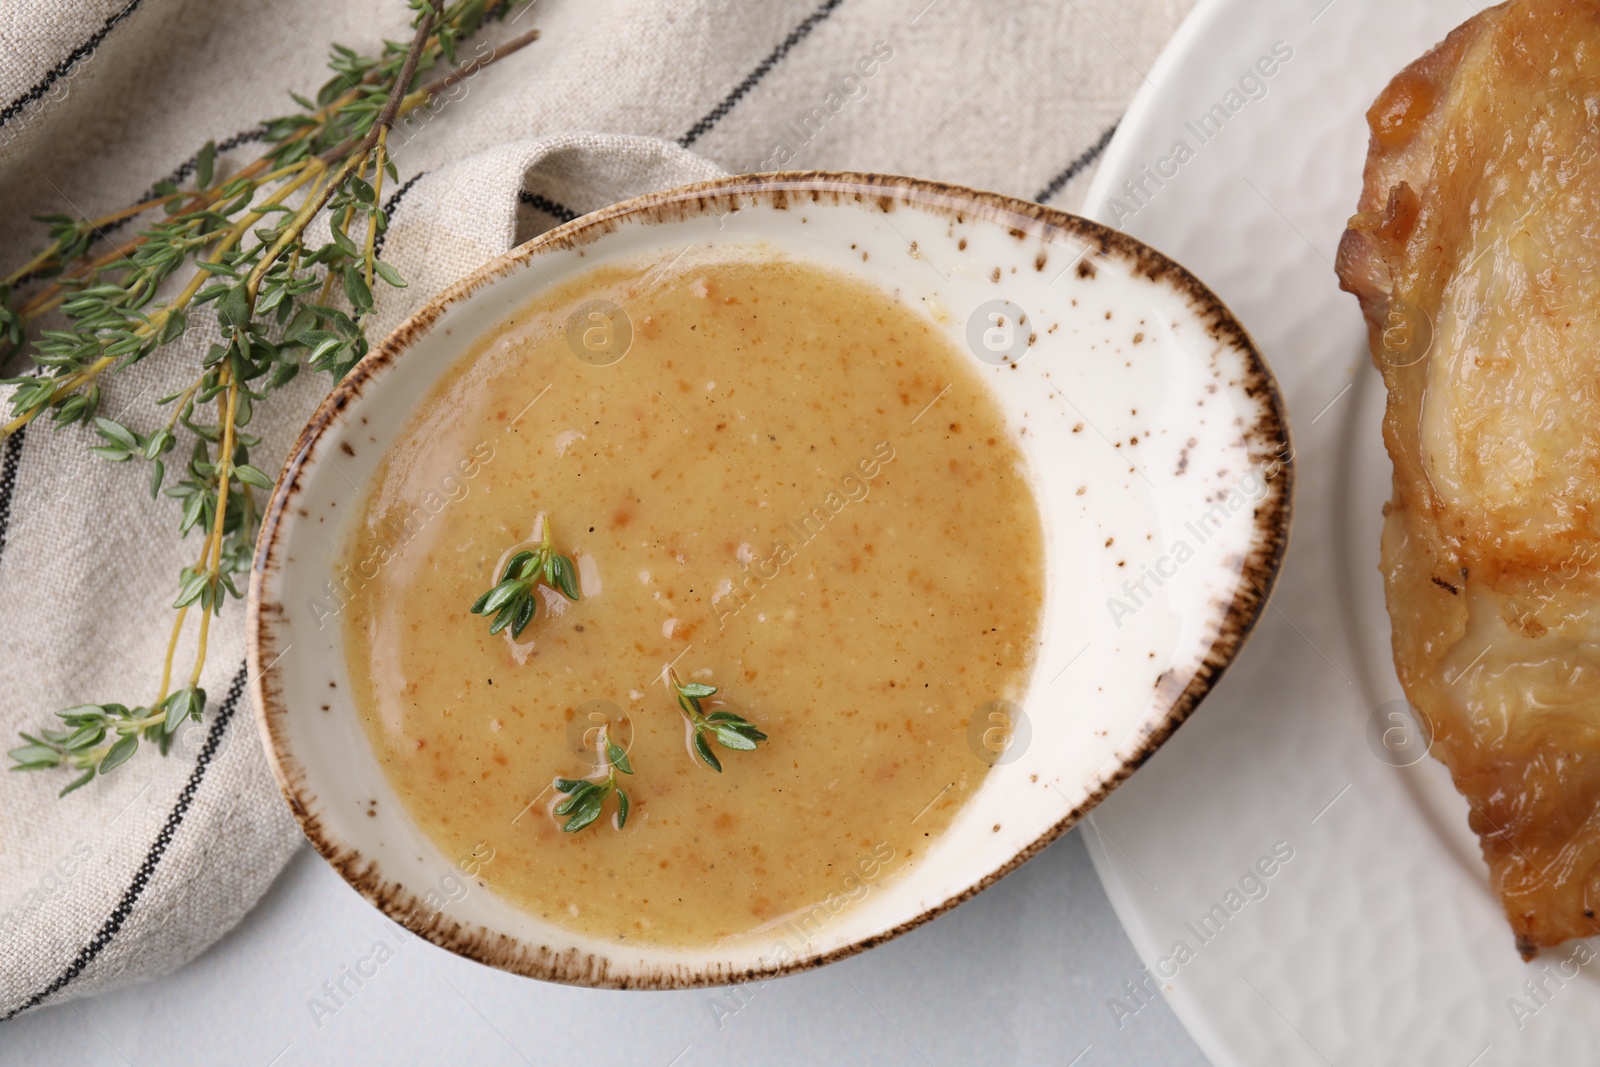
(1476,258)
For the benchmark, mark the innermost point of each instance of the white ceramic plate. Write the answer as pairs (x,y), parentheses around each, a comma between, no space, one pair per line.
(1151,432)
(1378,941)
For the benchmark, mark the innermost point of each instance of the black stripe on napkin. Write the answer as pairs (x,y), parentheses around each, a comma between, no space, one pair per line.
(182,171)
(141,878)
(538,202)
(388,210)
(1086,157)
(61,69)
(8,479)
(187,167)
(796,35)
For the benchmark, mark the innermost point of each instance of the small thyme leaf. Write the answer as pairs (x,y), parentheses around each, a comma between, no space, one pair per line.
(251,476)
(35,755)
(177,711)
(389,274)
(77,783)
(619,759)
(727,737)
(524,615)
(586,812)
(204,163)
(355,286)
(502,620)
(191,589)
(702,747)
(565,577)
(572,801)
(86,737)
(516,596)
(119,753)
(500,595)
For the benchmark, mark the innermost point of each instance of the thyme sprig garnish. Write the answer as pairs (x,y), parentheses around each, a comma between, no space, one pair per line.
(99,737)
(586,797)
(515,599)
(730,730)
(246,237)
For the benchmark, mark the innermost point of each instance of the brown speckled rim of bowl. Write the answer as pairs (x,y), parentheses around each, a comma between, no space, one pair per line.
(1267,440)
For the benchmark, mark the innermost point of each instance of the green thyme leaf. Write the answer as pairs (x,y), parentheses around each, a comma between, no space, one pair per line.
(203,164)
(177,710)
(728,737)
(173,328)
(117,434)
(619,759)
(586,812)
(191,589)
(119,753)
(567,805)
(250,476)
(389,274)
(355,288)
(78,783)
(84,737)
(704,748)
(35,756)
(233,310)
(524,615)
(565,578)
(500,595)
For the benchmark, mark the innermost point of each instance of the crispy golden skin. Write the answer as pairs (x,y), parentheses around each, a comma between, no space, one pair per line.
(1476,258)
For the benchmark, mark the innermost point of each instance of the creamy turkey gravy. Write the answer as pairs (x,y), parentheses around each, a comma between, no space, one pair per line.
(791,487)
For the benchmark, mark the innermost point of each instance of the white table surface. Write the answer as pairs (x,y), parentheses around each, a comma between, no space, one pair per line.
(1020,974)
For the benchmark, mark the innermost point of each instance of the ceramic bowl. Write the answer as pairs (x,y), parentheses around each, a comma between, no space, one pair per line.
(1158,451)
